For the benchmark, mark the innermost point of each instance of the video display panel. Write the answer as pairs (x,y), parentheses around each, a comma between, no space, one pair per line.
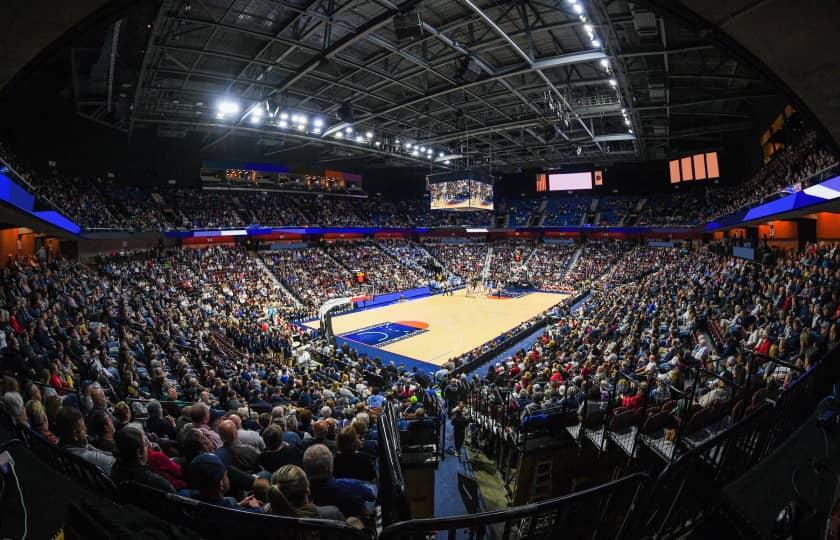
(481,195)
(464,194)
(570,181)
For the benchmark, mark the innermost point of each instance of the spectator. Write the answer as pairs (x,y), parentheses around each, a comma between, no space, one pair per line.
(349,495)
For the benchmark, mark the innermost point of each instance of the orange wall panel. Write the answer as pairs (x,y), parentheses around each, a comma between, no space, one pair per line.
(782,230)
(828,226)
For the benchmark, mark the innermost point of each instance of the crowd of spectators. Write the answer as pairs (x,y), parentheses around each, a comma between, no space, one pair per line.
(464,260)
(268,418)
(413,255)
(381,270)
(789,166)
(566,211)
(614,210)
(508,262)
(176,369)
(311,275)
(95,203)
(596,258)
(647,339)
(547,266)
(268,208)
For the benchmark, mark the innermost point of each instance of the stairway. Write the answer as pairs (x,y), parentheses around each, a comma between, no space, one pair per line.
(338,263)
(278,282)
(573,261)
(485,272)
(530,255)
(419,270)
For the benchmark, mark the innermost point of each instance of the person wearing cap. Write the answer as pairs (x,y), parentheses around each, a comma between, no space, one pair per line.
(212,484)
(132,453)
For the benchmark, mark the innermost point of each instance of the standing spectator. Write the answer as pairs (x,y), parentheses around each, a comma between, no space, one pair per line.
(459,428)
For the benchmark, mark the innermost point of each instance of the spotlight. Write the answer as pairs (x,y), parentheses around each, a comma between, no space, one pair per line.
(316,130)
(422,148)
(623,111)
(348,130)
(220,115)
(605,63)
(318,122)
(359,139)
(284,116)
(369,135)
(377,143)
(577,8)
(303,119)
(446,162)
(301,127)
(627,121)
(396,141)
(588,28)
(295,119)
(338,135)
(228,107)
(613,82)
(283,124)
(415,153)
(630,131)
(441,154)
(256,119)
(596,42)
(408,146)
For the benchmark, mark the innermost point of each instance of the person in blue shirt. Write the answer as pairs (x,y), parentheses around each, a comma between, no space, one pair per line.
(375,400)
(353,497)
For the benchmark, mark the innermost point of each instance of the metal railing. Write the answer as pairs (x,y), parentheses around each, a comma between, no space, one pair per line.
(393,496)
(606,511)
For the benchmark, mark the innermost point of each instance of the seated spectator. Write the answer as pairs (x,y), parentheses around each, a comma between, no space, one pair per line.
(157,424)
(200,415)
(233,451)
(289,496)
(38,420)
(122,415)
(320,430)
(101,430)
(349,462)
(212,483)
(277,452)
(247,436)
(132,460)
(72,435)
(349,495)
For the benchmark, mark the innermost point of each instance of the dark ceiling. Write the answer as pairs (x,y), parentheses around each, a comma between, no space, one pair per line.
(510,84)
(794,42)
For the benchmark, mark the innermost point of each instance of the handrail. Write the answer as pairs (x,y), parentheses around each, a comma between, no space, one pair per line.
(474,521)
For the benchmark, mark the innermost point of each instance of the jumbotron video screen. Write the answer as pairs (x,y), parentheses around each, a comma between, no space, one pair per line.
(463,194)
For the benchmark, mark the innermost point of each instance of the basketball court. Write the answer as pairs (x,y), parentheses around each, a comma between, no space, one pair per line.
(436,328)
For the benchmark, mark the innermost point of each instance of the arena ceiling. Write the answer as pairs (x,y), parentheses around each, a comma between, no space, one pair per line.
(504,83)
